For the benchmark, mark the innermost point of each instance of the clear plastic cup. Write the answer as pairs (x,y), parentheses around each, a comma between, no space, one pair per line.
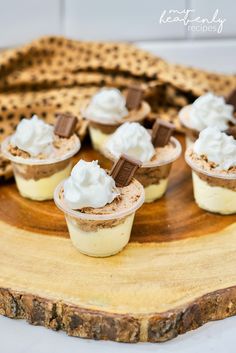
(99,235)
(36,179)
(100,132)
(191,135)
(154,175)
(213,192)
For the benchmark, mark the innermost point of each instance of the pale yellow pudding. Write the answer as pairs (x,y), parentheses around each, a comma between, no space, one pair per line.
(214,198)
(213,162)
(102,242)
(40,159)
(103,227)
(43,188)
(106,111)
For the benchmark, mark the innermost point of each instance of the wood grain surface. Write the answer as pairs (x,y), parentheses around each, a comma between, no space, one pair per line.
(178,271)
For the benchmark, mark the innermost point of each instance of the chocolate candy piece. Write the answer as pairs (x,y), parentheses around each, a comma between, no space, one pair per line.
(231,131)
(134,97)
(231,99)
(124,169)
(161,133)
(65,125)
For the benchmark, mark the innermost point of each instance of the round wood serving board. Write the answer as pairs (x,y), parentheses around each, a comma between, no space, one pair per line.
(178,271)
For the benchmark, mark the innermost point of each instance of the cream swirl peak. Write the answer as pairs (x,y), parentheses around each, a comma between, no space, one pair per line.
(33,136)
(107,106)
(89,186)
(218,147)
(131,139)
(210,110)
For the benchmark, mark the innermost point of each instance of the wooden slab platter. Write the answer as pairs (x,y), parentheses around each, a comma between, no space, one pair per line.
(177,273)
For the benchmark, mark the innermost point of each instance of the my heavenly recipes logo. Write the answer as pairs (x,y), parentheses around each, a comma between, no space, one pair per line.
(194,23)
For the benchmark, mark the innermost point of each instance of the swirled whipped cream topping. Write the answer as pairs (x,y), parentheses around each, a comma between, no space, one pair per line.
(107,106)
(33,136)
(210,110)
(89,186)
(131,139)
(218,147)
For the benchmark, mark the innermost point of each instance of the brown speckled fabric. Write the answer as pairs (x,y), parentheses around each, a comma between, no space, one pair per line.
(54,74)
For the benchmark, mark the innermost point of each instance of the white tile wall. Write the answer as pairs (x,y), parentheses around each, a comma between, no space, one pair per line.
(23,20)
(120,20)
(217,55)
(132,20)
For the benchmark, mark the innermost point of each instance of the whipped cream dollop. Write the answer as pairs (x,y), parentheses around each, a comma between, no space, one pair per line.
(107,106)
(89,186)
(131,139)
(210,110)
(33,136)
(217,147)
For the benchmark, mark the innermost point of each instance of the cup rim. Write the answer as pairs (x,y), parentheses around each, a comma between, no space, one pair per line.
(35,161)
(198,169)
(95,217)
(119,122)
(152,164)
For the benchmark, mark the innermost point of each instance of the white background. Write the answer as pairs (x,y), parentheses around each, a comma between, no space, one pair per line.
(137,21)
(131,20)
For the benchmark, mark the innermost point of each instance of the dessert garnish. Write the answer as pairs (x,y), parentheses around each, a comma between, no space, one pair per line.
(65,125)
(210,110)
(161,133)
(131,139)
(231,99)
(124,169)
(134,97)
(89,186)
(218,148)
(33,136)
(106,106)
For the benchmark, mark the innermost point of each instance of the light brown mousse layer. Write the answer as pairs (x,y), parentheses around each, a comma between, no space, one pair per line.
(136,115)
(153,174)
(210,167)
(129,195)
(61,146)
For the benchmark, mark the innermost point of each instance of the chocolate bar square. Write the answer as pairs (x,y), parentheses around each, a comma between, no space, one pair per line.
(161,133)
(65,125)
(134,97)
(124,169)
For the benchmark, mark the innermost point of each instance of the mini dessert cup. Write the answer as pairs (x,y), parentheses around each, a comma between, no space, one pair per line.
(154,175)
(214,191)
(100,235)
(100,131)
(37,179)
(191,135)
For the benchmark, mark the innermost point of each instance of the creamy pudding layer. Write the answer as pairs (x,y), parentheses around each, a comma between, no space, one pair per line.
(212,197)
(99,215)
(213,163)
(41,188)
(106,241)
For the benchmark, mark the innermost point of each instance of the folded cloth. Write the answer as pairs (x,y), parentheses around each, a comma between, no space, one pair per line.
(54,74)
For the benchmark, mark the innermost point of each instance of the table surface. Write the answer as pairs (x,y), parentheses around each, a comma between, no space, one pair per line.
(17,336)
